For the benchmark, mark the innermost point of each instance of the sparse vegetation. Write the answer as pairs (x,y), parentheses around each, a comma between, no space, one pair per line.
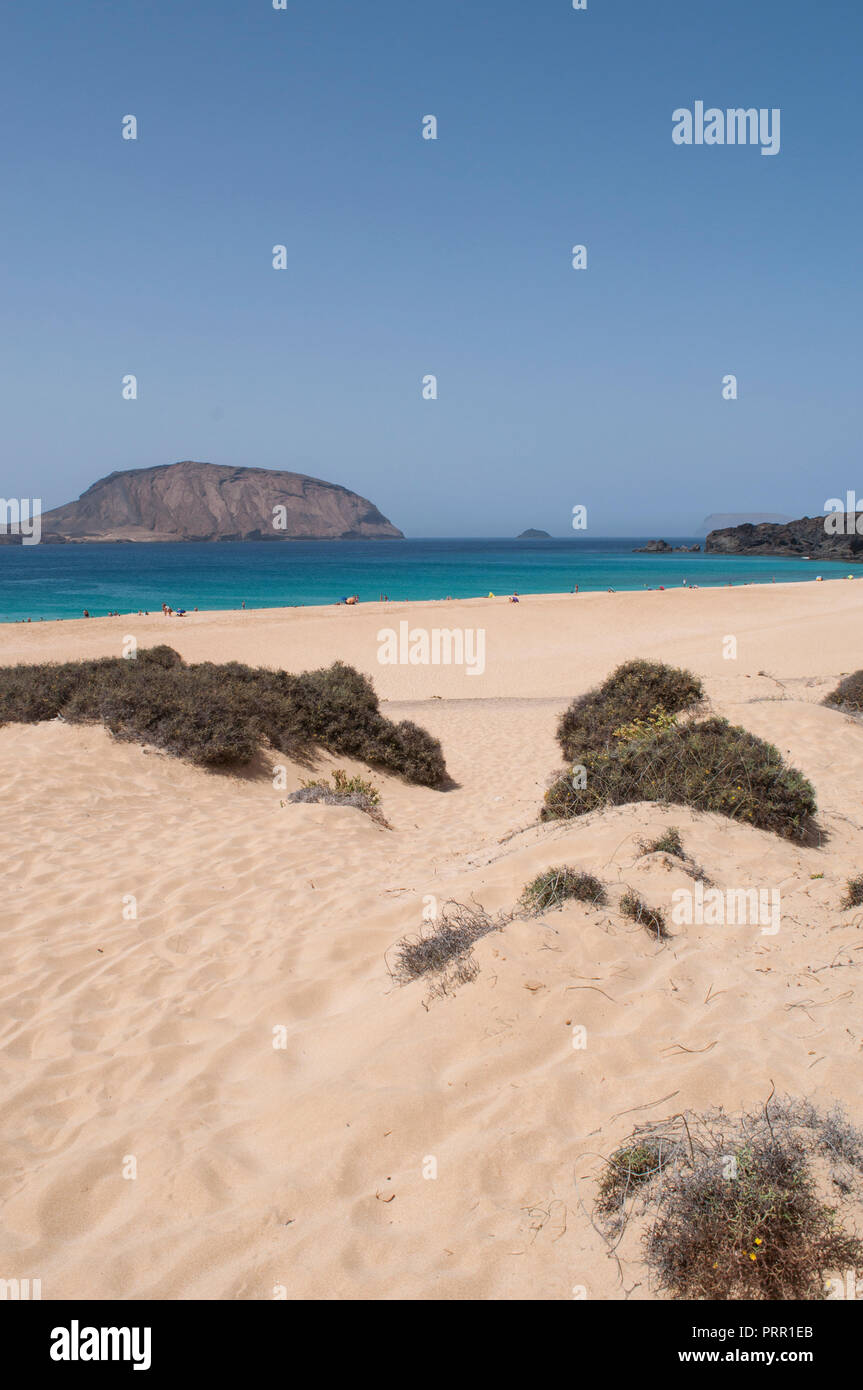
(444,949)
(219,715)
(632,1164)
(853,892)
(555,886)
(848,695)
(669,842)
(343,785)
(740,1208)
(650,918)
(345,791)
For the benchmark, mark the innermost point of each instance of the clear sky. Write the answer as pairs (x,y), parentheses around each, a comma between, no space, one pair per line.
(407,256)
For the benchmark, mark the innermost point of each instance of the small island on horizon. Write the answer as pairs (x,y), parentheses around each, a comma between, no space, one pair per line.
(533,535)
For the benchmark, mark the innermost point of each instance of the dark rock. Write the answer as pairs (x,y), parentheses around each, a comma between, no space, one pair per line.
(809,536)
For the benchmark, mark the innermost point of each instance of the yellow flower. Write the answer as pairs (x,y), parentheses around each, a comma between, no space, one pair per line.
(757,1240)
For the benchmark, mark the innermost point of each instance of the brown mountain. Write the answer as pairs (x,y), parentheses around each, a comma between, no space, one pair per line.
(208,502)
(808,536)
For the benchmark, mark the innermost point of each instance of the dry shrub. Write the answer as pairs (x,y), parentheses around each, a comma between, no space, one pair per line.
(444,948)
(345,791)
(220,714)
(848,695)
(740,1207)
(650,918)
(853,892)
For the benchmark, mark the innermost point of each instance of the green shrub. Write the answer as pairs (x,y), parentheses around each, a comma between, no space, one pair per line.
(637,691)
(709,765)
(346,786)
(220,714)
(848,694)
(552,889)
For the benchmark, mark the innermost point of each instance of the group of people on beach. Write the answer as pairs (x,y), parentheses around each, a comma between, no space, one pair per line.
(352,599)
(167,612)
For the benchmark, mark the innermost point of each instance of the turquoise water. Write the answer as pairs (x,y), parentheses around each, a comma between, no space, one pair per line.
(60,581)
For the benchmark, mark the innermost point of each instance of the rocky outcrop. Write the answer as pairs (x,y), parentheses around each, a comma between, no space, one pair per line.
(831,537)
(531,535)
(663,548)
(720,521)
(209,502)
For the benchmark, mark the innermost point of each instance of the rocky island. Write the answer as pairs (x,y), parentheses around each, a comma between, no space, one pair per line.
(531,535)
(831,537)
(192,501)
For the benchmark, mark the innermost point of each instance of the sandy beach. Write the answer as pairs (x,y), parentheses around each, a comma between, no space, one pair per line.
(303,1170)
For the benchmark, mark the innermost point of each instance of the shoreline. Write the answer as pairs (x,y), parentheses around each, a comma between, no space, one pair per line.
(547,644)
(48,589)
(524,596)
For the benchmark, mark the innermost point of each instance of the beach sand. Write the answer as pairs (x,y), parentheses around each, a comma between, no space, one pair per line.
(300,1169)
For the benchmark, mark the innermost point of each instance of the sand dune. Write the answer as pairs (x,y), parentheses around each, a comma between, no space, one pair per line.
(302,1167)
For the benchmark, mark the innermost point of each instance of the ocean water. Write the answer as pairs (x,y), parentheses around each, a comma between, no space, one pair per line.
(60,581)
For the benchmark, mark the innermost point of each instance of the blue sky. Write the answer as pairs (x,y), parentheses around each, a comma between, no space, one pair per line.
(406,257)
